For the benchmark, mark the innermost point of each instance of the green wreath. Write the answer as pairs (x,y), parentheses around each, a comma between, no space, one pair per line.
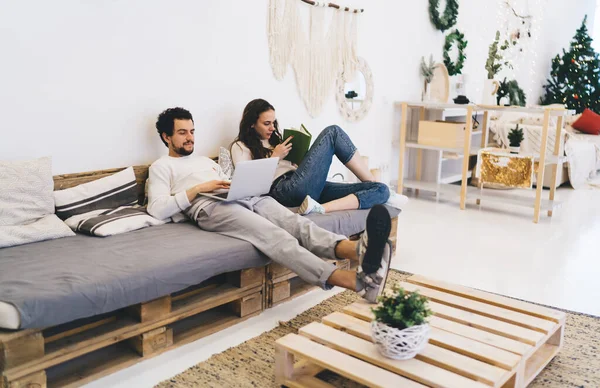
(461,45)
(450,14)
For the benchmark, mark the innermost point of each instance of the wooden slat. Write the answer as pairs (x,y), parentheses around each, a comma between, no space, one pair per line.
(342,364)
(187,308)
(477,350)
(307,382)
(435,355)
(80,329)
(538,324)
(491,325)
(196,291)
(413,369)
(496,300)
(363,311)
(450,352)
(498,341)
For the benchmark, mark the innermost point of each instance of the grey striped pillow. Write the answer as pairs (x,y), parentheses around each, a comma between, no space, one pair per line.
(112,221)
(119,189)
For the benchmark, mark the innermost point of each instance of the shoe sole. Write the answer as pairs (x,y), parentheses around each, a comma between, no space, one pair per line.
(389,265)
(379,225)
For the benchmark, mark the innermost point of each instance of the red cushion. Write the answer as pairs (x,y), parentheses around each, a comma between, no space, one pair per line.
(589,122)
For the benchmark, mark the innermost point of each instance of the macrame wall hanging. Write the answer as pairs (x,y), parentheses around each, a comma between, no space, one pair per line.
(318,55)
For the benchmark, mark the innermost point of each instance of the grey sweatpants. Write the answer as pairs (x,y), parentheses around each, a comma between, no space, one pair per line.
(283,236)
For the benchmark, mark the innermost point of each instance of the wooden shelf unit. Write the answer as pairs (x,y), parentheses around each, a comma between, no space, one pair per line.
(464,191)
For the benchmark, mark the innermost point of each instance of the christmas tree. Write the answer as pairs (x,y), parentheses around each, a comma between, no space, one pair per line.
(574,79)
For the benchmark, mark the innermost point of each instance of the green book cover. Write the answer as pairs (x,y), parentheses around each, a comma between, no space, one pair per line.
(300,143)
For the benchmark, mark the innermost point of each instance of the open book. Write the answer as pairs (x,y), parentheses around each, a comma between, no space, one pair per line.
(300,143)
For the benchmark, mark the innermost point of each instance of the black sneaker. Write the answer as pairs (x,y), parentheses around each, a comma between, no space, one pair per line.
(370,248)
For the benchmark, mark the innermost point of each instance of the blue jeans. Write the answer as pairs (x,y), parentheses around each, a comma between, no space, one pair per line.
(311,176)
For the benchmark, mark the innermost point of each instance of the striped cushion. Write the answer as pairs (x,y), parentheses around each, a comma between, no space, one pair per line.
(106,193)
(112,221)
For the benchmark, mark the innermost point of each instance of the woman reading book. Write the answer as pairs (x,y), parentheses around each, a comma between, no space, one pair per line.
(305,184)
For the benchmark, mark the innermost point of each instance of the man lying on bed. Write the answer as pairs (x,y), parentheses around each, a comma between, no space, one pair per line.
(285,237)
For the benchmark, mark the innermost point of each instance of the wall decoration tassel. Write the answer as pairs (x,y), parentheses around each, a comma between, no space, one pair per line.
(317,59)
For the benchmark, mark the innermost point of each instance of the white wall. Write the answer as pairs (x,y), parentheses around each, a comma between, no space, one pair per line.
(84,81)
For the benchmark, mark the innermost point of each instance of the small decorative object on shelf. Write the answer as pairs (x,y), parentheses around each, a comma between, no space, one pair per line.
(351,94)
(457,37)
(493,65)
(427,70)
(515,137)
(400,329)
(462,100)
(511,91)
(498,169)
(447,21)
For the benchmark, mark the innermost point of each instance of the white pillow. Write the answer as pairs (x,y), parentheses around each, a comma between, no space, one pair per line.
(26,194)
(27,204)
(225,162)
(49,227)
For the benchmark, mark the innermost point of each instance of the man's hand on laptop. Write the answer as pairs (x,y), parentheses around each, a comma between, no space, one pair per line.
(207,187)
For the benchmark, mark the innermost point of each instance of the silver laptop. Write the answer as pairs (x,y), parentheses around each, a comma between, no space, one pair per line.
(251,178)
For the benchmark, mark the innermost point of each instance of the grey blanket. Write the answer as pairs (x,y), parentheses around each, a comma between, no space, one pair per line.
(58,281)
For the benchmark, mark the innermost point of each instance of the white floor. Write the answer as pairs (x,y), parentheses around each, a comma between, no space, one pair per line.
(555,262)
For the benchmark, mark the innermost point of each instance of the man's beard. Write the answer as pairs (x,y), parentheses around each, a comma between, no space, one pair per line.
(183,152)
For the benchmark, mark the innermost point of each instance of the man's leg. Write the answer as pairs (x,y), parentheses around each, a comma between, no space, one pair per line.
(373,250)
(237,221)
(319,241)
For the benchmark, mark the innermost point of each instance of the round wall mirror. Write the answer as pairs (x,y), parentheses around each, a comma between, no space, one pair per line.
(354,92)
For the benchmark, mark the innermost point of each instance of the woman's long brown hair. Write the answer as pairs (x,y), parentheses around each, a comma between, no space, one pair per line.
(248,134)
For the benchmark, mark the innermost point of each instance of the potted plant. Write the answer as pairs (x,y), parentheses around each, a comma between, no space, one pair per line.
(427,70)
(515,137)
(400,329)
(493,65)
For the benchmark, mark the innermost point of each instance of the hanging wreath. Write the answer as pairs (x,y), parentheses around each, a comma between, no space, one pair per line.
(461,44)
(447,21)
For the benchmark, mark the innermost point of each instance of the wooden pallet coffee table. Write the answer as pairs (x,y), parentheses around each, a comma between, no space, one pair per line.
(477,339)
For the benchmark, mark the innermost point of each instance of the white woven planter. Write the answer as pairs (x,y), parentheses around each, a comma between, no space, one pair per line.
(399,344)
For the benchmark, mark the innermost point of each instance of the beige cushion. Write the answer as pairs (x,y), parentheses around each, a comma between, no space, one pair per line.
(27,203)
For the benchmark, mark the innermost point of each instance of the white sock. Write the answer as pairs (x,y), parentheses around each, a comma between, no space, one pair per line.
(397,200)
(309,205)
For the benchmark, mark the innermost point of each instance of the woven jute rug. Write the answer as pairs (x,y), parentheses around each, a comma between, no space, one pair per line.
(251,364)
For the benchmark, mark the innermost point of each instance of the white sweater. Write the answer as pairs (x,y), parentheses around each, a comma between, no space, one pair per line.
(239,153)
(168,180)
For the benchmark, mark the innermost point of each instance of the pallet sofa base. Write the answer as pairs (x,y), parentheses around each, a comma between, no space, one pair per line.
(79,352)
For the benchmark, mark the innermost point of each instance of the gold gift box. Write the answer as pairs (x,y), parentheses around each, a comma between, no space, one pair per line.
(503,169)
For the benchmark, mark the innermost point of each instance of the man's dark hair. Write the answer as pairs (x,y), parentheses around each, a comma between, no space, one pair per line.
(166,121)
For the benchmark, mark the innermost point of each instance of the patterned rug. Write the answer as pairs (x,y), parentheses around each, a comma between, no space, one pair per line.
(251,363)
